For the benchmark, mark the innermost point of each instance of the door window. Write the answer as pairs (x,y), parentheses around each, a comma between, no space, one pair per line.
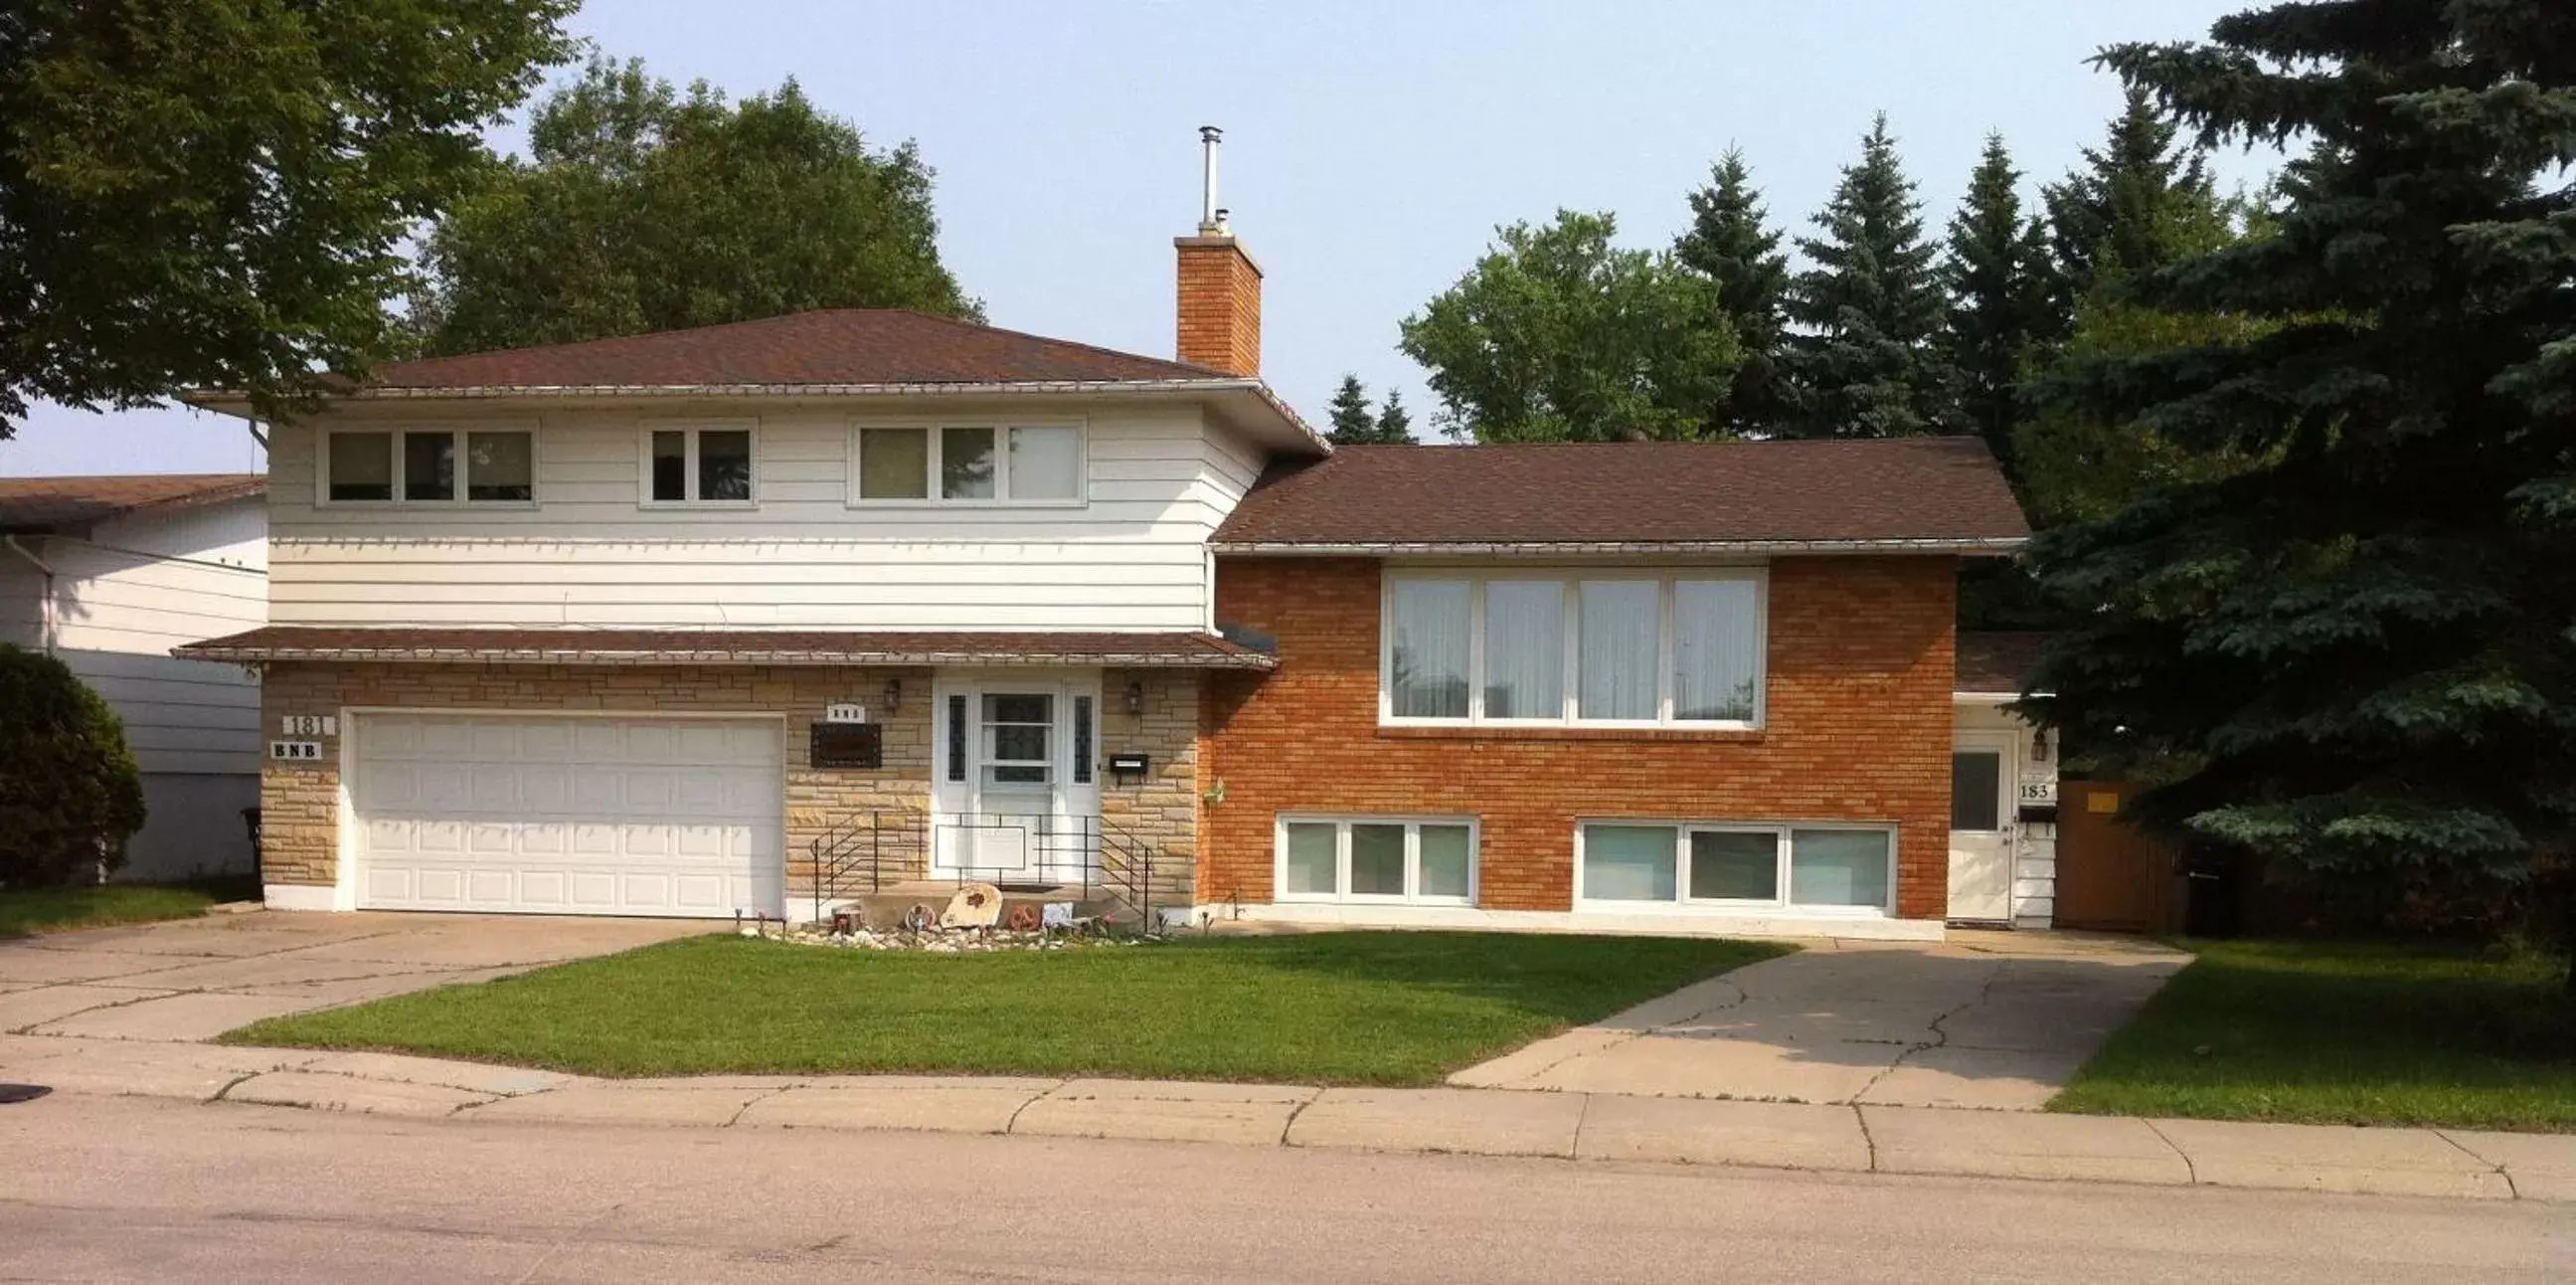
(1976,790)
(1019,735)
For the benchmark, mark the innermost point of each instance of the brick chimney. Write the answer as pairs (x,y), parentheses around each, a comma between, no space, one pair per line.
(1220,285)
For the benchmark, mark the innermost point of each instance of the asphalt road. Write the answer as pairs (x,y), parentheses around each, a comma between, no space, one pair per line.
(128,1189)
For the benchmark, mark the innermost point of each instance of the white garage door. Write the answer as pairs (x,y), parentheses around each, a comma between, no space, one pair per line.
(583,816)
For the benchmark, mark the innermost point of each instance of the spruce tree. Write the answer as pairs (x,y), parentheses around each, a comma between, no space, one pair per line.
(1997,275)
(1868,362)
(1731,241)
(2122,205)
(2354,657)
(1348,413)
(1394,422)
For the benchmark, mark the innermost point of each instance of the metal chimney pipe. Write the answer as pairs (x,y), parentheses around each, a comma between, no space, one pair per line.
(1211,219)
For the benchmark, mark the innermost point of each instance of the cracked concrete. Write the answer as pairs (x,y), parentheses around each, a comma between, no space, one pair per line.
(194,979)
(1997,1021)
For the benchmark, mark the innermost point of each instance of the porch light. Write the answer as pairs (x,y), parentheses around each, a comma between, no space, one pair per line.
(2039,745)
(1136,698)
(894,695)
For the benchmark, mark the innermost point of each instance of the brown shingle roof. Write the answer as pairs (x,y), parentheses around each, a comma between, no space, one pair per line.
(829,346)
(58,503)
(1919,491)
(1997,662)
(727,646)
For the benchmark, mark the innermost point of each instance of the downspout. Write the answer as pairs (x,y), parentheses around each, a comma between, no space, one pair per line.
(47,636)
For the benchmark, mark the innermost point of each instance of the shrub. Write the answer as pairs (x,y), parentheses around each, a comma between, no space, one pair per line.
(70,794)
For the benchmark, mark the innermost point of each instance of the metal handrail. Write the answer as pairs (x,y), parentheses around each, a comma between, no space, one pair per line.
(1092,852)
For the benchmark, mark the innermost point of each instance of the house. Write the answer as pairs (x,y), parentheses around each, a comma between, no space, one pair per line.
(109,573)
(750,616)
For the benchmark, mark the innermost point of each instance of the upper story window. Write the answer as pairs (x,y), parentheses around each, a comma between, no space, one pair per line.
(699,465)
(1606,648)
(429,466)
(967,464)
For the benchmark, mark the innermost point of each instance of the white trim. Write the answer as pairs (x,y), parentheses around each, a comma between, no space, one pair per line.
(1683,905)
(457,430)
(299,896)
(1342,823)
(690,428)
(1003,484)
(1984,545)
(1570,694)
(1375,915)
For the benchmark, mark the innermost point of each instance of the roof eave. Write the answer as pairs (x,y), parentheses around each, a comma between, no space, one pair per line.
(259,654)
(1261,412)
(1978,546)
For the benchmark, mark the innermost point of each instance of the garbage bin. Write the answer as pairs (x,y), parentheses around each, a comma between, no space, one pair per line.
(2210,896)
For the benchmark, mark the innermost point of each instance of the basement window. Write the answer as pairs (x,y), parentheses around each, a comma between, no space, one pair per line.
(1728,865)
(1410,860)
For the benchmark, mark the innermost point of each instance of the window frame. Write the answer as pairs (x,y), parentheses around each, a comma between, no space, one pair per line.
(934,431)
(1684,903)
(457,431)
(1342,823)
(1570,692)
(689,456)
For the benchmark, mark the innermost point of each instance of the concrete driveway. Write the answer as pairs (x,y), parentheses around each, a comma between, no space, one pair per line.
(194,979)
(1987,1019)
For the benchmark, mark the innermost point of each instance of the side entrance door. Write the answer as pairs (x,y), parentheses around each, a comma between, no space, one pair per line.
(1981,835)
(1016,793)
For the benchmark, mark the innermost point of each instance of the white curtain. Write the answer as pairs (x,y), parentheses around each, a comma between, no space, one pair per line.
(1629,863)
(1311,858)
(1430,621)
(1617,668)
(1525,649)
(1839,868)
(1717,649)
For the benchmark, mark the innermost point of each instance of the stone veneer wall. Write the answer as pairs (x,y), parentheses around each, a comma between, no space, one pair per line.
(1162,809)
(300,800)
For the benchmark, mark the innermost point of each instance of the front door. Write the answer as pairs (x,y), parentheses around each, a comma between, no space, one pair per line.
(1981,835)
(1017,793)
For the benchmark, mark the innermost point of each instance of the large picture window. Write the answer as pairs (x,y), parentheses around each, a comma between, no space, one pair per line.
(429,466)
(967,464)
(1734,865)
(1424,861)
(1660,649)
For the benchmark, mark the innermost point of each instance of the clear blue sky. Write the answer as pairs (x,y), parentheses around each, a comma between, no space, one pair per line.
(1370,148)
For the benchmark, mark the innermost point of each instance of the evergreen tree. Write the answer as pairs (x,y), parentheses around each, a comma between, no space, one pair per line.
(1997,274)
(1731,241)
(2122,205)
(1349,413)
(1394,422)
(2353,656)
(1869,362)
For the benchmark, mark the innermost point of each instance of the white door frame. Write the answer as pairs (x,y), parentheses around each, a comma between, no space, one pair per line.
(980,830)
(1983,851)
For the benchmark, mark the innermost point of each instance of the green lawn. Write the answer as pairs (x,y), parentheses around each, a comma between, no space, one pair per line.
(2345,1033)
(1345,1008)
(35,910)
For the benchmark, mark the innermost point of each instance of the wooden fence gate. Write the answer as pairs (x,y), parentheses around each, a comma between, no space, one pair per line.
(2109,876)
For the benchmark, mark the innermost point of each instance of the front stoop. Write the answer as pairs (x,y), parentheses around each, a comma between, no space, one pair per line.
(1567,1125)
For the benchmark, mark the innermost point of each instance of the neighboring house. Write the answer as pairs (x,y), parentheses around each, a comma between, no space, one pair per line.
(110,573)
(664,624)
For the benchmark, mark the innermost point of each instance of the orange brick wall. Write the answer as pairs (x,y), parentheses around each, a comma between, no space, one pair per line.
(1220,305)
(1858,729)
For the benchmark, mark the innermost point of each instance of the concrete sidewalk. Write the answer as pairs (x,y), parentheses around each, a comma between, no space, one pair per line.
(1860,1138)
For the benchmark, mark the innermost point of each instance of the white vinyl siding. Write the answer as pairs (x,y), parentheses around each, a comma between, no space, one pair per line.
(1131,557)
(138,586)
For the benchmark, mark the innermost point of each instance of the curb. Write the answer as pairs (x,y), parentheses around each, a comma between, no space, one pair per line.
(1457,1121)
